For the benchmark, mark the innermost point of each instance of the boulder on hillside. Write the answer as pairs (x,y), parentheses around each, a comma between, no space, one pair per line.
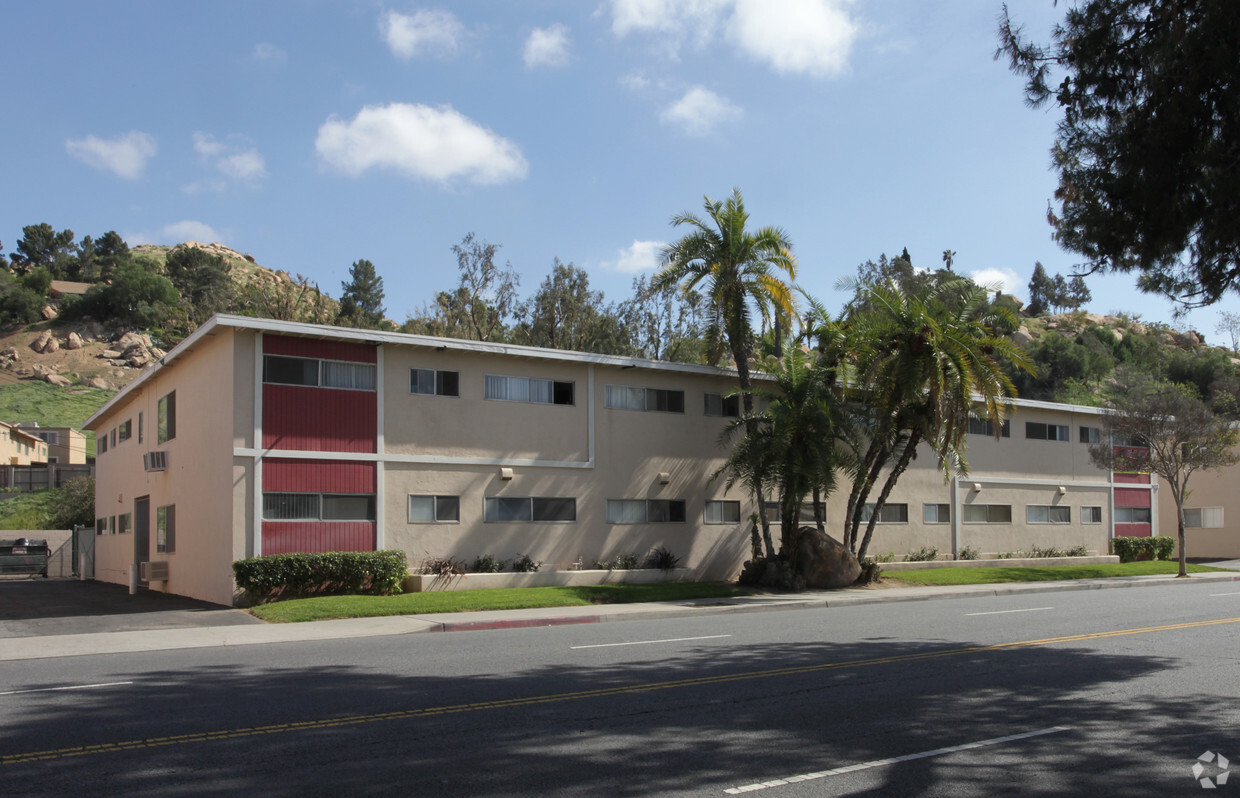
(38,343)
(59,380)
(1021,337)
(74,341)
(10,353)
(110,354)
(98,382)
(49,313)
(52,345)
(823,562)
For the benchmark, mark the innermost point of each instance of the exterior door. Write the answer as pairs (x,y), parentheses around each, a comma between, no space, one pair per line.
(141,533)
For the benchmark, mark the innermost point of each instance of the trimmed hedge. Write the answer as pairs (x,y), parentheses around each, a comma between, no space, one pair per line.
(296,575)
(1159,547)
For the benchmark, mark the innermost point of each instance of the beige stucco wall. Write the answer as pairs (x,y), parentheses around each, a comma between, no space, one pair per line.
(18,447)
(198,480)
(1206,489)
(71,446)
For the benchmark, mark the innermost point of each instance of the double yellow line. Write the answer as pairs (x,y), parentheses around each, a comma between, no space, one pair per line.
(356,720)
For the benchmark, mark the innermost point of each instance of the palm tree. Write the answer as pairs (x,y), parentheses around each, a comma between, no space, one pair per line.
(949,257)
(926,363)
(738,271)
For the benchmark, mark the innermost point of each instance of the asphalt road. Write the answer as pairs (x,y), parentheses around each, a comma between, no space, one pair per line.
(1110,692)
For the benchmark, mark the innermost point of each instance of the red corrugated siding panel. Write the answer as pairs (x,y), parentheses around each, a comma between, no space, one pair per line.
(318,476)
(289,537)
(319,419)
(1132,497)
(314,347)
(1132,530)
(1142,479)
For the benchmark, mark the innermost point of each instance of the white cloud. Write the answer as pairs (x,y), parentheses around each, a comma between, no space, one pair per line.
(639,257)
(206,145)
(429,32)
(699,111)
(813,37)
(267,53)
(124,156)
(419,141)
(634,81)
(1007,280)
(178,233)
(232,159)
(248,165)
(547,47)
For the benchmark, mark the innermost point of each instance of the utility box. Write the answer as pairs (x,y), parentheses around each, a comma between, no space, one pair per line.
(24,556)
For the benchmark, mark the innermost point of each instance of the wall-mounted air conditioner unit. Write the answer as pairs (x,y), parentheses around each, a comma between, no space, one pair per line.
(155,461)
(155,571)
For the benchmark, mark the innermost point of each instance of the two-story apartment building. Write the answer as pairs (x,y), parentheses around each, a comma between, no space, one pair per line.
(256,436)
(20,446)
(65,445)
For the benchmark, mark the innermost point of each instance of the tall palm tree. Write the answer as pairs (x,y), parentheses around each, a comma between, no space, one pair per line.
(739,274)
(927,362)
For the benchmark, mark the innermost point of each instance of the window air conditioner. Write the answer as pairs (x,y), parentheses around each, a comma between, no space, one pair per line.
(155,571)
(155,461)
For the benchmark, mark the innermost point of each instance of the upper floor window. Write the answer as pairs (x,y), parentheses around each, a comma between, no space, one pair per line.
(166,423)
(434,382)
(1091,435)
(645,511)
(1132,515)
(527,389)
(1037,431)
(124,431)
(102,441)
(313,372)
(626,397)
(720,405)
(986,426)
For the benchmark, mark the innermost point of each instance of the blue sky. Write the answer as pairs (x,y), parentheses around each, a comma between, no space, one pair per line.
(315,133)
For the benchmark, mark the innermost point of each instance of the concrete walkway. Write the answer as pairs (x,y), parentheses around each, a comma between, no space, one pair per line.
(69,645)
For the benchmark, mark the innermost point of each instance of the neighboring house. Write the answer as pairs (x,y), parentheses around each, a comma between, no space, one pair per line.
(67,287)
(256,436)
(65,445)
(20,446)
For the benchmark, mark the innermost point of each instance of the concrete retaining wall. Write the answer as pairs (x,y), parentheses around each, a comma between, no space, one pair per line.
(1012,563)
(421,583)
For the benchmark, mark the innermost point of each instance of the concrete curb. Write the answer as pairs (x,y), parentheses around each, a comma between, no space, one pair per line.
(52,646)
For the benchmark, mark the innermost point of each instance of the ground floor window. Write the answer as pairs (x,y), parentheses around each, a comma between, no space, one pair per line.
(318,507)
(987,514)
(806,515)
(723,512)
(166,529)
(434,509)
(888,514)
(936,513)
(529,508)
(1047,514)
(1091,514)
(645,511)
(1203,517)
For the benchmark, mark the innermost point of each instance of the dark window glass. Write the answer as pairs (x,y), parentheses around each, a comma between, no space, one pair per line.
(448,508)
(290,370)
(562,393)
(554,509)
(348,507)
(167,421)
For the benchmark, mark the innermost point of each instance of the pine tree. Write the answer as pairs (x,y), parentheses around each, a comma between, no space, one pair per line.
(1041,290)
(361,304)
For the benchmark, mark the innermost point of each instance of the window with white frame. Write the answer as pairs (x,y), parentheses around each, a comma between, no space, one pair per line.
(645,511)
(316,372)
(720,405)
(629,397)
(936,513)
(1048,514)
(986,514)
(1132,515)
(1037,431)
(1091,435)
(527,389)
(434,509)
(888,514)
(1203,517)
(1091,514)
(318,507)
(722,512)
(499,509)
(434,382)
(806,515)
(986,426)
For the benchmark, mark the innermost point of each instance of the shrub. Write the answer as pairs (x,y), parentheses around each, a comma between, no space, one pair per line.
(871,572)
(524,564)
(924,554)
(968,553)
(441,566)
(75,504)
(888,557)
(663,559)
(1050,551)
(1149,548)
(487,564)
(294,575)
(621,562)
(1077,551)
(775,573)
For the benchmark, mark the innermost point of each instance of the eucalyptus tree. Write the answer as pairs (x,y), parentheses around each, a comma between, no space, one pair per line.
(738,272)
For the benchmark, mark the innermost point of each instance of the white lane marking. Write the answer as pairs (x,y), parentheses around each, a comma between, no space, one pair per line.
(70,687)
(650,642)
(1224,594)
(878,763)
(1004,612)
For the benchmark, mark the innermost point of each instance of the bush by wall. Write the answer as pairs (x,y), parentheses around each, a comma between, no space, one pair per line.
(296,575)
(1159,547)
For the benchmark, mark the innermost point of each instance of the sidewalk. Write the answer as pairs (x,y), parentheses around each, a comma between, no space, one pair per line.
(23,648)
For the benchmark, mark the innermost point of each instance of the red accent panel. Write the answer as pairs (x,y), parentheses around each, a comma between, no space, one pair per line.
(1121,531)
(318,476)
(315,347)
(1132,497)
(319,419)
(1141,479)
(289,537)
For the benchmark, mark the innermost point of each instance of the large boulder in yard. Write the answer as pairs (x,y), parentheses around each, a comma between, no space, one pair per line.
(823,562)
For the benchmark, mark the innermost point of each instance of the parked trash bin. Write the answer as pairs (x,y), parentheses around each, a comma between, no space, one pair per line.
(23,556)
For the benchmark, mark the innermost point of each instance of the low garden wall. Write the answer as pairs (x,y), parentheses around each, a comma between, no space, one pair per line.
(1014,562)
(422,583)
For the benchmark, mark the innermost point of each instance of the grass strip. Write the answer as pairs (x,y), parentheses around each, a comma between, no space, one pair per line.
(981,576)
(323,608)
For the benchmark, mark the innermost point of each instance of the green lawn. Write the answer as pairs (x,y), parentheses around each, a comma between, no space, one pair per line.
(979,576)
(28,511)
(52,406)
(326,607)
